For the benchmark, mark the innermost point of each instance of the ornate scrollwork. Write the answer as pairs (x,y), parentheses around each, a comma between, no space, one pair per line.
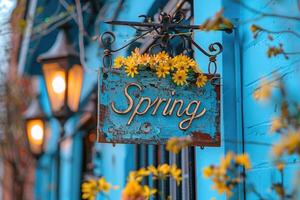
(168,28)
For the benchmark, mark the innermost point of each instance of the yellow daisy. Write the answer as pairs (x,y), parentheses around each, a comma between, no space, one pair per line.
(170,64)
(144,59)
(119,62)
(180,78)
(182,58)
(130,61)
(264,92)
(182,66)
(136,53)
(208,171)
(147,191)
(243,159)
(176,174)
(89,189)
(276,124)
(201,80)
(162,70)
(162,57)
(153,62)
(163,170)
(131,70)
(103,185)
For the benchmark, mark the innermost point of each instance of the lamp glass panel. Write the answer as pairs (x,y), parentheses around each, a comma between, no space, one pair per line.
(75,79)
(35,133)
(55,77)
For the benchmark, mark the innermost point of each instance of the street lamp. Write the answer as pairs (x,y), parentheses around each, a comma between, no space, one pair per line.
(35,127)
(63,75)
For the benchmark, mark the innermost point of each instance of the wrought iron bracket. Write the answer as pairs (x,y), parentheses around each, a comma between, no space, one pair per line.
(162,32)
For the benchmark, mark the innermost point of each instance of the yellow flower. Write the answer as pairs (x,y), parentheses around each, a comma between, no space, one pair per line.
(182,62)
(181,66)
(119,62)
(170,64)
(182,58)
(225,162)
(130,61)
(276,124)
(163,170)
(280,166)
(208,171)
(254,28)
(132,191)
(131,70)
(148,192)
(264,92)
(162,70)
(222,188)
(193,65)
(278,149)
(136,54)
(162,57)
(172,145)
(180,78)
(153,170)
(243,159)
(143,172)
(201,80)
(153,62)
(144,59)
(133,176)
(89,189)
(292,142)
(175,144)
(103,185)
(176,174)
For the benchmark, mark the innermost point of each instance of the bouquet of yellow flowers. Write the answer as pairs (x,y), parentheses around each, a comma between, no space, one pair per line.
(178,67)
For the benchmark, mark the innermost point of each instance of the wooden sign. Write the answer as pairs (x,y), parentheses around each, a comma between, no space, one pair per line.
(145,109)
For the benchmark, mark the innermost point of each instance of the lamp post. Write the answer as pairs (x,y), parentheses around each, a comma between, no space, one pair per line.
(35,127)
(63,75)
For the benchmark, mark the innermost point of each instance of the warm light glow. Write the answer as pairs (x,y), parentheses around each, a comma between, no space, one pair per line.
(75,79)
(35,131)
(58,84)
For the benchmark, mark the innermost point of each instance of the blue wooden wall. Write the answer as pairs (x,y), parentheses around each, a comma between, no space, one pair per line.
(244,63)
(256,66)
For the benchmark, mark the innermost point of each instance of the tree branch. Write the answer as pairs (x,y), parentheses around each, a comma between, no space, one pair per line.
(264,14)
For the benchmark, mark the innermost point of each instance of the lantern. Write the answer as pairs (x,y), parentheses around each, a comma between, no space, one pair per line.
(63,75)
(35,127)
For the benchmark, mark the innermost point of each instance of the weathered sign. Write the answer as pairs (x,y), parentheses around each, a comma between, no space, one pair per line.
(145,109)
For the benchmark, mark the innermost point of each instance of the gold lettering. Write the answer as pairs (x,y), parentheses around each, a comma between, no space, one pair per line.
(168,109)
(136,110)
(179,108)
(157,105)
(129,100)
(165,112)
(192,115)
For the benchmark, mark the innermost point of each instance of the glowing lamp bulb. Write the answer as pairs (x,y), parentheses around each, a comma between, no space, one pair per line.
(36,132)
(58,84)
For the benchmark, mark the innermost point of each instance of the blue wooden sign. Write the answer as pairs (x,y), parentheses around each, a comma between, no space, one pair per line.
(145,109)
